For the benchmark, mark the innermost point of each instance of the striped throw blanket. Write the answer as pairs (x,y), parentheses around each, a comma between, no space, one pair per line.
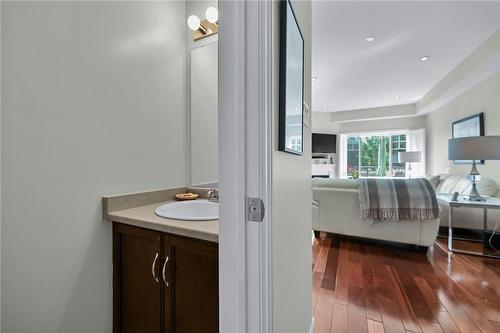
(398,199)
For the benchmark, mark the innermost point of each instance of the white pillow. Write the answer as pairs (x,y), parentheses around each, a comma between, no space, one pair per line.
(462,185)
(487,186)
(453,184)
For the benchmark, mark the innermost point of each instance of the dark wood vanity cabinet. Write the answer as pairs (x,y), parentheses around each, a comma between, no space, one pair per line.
(193,289)
(137,296)
(163,283)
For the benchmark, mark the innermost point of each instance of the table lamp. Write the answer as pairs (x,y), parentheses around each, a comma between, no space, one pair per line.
(474,148)
(410,157)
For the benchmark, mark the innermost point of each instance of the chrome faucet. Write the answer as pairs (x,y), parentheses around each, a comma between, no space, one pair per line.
(213,195)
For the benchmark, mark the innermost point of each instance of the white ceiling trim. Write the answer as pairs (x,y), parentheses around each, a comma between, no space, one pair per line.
(482,73)
(476,67)
(388,112)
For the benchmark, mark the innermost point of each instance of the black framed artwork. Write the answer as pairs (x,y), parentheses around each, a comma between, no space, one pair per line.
(467,127)
(291,85)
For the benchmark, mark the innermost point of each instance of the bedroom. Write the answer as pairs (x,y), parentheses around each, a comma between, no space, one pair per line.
(388,95)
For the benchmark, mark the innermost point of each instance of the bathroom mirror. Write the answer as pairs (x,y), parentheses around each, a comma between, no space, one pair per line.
(204,115)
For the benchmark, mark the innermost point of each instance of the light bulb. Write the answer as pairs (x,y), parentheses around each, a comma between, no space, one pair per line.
(193,22)
(212,14)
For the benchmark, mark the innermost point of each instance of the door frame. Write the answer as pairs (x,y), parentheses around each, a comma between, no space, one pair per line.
(245,170)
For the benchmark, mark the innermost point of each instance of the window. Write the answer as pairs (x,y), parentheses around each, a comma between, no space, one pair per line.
(353,154)
(398,143)
(375,155)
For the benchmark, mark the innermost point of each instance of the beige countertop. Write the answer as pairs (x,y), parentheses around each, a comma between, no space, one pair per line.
(138,209)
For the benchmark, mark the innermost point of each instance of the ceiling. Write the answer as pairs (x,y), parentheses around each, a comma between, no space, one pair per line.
(355,74)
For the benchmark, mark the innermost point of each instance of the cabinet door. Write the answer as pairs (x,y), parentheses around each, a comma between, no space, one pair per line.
(137,293)
(192,295)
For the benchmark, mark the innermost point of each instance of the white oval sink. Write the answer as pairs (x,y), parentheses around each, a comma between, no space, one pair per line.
(192,210)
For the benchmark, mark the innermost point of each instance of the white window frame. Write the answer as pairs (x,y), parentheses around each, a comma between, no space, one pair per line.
(409,147)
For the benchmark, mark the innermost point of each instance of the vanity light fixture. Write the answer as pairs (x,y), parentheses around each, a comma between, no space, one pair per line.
(204,28)
(212,15)
(194,24)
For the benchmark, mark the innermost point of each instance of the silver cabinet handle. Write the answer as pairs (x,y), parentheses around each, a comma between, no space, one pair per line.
(153,266)
(163,271)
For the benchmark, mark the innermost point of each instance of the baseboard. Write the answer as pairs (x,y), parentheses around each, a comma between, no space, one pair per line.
(311,329)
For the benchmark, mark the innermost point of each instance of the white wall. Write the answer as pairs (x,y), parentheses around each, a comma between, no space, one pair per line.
(472,87)
(322,123)
(291,213)
(484,97)
(93,103)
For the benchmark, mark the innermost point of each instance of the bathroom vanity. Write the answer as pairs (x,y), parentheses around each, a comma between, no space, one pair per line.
(165,266)
(165,272)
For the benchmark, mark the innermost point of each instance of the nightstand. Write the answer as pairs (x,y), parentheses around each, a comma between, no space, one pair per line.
(461,202)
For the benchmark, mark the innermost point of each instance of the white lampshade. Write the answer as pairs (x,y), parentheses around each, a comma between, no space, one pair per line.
(193,22)
(474,148)
(410,156)
(212,14)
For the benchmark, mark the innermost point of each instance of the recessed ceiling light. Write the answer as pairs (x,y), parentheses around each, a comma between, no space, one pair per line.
(370,39)
(314,78)
(325,106)
(397,97)
(425,58)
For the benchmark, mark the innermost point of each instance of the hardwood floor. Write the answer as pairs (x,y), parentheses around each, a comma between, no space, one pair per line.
(360,287)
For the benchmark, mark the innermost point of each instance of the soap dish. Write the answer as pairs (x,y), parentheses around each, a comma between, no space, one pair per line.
(186,196)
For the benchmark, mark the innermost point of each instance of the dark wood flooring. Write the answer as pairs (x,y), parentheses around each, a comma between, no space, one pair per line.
(360,287)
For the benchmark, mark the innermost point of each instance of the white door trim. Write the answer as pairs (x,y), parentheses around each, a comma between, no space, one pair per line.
(259,159)
(245,152)
(232,236)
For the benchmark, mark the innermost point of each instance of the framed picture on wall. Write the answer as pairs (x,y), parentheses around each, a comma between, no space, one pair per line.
(291,84)
(467,127)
